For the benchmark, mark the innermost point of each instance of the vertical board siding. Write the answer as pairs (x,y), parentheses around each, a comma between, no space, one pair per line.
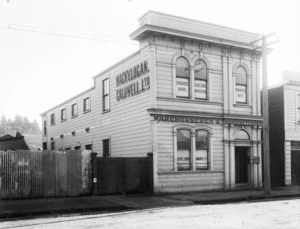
(29,174)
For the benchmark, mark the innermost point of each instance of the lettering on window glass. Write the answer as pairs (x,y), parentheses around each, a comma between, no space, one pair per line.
(240,93)
(200,89)
(182,85)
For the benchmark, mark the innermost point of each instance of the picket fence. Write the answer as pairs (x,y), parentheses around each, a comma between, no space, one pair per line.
(35,174)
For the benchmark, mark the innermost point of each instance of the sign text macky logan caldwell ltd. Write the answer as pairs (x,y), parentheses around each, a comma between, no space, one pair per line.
(137,80)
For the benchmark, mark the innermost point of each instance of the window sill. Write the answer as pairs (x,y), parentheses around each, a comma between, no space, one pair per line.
(189,172)
(242,105)
(74,116)
(87,111)
(107,111)
(63,120)
(187,100)
(53,124)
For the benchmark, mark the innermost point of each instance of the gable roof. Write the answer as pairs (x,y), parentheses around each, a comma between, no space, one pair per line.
(20,142)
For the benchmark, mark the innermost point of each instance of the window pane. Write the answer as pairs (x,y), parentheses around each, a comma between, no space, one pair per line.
(74,109)
(182,67)
(106,103)
(86,104)
(182,85)
(241,76)
(298,98)
(201,149)
(63,114)
(200,70)
(105,87)
(200,89)
(201,140)
(240,94)
(183,149)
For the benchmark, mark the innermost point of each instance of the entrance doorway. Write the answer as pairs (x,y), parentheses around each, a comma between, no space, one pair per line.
(241,165)
(295,166)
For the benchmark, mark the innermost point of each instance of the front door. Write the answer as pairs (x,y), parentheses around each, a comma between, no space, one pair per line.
(241,165)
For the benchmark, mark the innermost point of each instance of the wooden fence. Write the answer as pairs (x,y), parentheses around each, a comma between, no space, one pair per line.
(28,174)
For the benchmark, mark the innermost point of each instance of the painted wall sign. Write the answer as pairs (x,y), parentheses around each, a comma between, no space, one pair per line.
(133,73)
(133,89)
(206,120)
(243,122)
(136,81)
(173,118)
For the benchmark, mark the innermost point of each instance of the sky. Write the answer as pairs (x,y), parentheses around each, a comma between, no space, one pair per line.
(50,50)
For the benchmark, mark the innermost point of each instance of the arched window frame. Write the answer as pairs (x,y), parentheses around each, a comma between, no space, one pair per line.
(207,83)
(193,131)
(247,85)
(180,78)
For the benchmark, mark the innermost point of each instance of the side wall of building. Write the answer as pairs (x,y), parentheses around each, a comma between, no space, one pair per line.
(126,124)
(72,132)
(291,127)
(276,120)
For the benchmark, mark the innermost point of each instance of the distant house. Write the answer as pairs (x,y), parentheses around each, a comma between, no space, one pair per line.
(20,142)
(284,116)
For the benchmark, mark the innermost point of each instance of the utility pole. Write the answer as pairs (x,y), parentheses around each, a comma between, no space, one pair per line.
(266,141)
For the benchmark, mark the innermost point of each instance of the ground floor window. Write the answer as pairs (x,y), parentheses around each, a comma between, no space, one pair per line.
(89,147)
(192,148)
(106,147)
(183,149)
(44,145)
(202,144)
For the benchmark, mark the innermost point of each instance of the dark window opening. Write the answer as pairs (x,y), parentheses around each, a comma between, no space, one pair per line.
(106,151)
(88,147)
(44,145)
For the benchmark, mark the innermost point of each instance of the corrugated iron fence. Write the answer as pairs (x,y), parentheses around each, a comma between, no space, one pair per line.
(28,174)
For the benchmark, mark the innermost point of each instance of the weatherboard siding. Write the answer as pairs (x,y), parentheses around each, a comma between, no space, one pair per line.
(170,180)
(127,124)
(292,128)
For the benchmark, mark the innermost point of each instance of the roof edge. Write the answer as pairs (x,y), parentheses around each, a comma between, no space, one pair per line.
(45,112)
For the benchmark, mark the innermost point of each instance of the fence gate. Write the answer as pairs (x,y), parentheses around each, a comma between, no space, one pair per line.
(115,175)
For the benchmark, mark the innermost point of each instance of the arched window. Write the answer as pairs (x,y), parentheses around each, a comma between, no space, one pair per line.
(241,85)
(183,149)
(202,147)
(182,78)
(200,80)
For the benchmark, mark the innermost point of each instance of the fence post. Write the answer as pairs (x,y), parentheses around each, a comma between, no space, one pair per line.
(94,173)
(150,171)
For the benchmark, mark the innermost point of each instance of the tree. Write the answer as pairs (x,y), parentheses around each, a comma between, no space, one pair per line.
(3,125)
(19,124)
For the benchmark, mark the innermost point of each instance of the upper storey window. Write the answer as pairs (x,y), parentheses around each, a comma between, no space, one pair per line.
(241,85)
(86,104)
(182,78)
(200,80)
(105,95)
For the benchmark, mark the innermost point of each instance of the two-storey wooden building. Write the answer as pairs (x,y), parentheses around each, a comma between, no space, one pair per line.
(189,95)
(284,115)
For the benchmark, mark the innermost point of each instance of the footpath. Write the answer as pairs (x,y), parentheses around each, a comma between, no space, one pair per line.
(12,209)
